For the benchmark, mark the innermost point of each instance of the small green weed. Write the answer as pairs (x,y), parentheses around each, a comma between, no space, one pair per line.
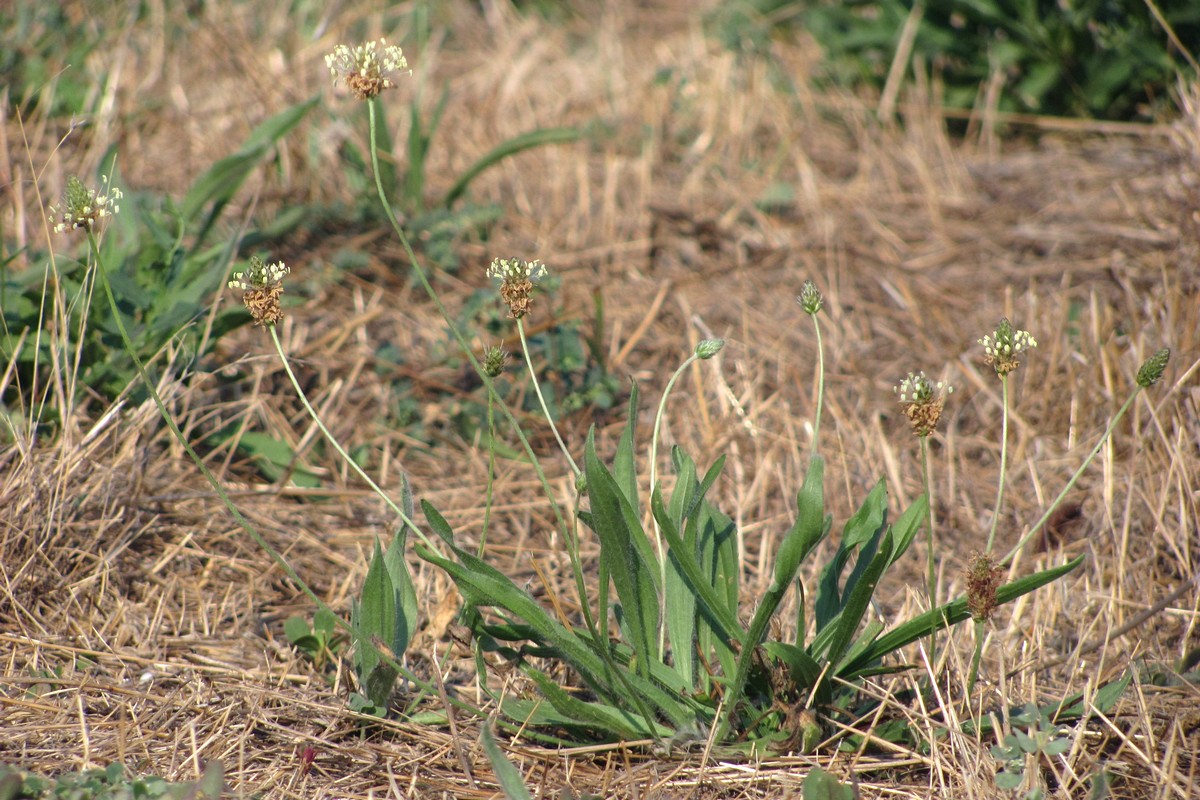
(110,783)
(319,642)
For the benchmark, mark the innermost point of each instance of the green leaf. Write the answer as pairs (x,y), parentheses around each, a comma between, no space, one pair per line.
(624,468)
(808,530)
(810,527)
(860,597)
(624,546)
(221,181)
(820,785)
(406,596)
(861,530)
(944,616)
(296,628)
(376,615)
(685,561)
(525,141)
(511,782)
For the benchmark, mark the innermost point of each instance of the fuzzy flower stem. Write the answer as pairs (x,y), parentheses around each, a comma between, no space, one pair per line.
(820,384)
(1003,461)
(931,568)
(976,657)
(329,437)
(1037,526)
(238,517)
(537,388)
(658,418)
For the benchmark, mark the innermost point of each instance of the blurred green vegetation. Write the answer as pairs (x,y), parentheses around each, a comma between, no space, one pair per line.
(1102,59)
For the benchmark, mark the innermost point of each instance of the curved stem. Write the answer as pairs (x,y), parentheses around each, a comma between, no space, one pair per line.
(537,388)
(1003,462)
(329,437)
(662,556)
(491,476)
(1037,526)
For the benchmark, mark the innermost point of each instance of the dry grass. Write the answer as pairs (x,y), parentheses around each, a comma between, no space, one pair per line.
(120,568)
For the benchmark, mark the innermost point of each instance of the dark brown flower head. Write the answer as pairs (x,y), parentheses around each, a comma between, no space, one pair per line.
(983,579)
(922,401)
(262,286)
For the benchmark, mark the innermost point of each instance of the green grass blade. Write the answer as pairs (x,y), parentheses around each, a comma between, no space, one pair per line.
(524,141)
(509,778)
(221,181)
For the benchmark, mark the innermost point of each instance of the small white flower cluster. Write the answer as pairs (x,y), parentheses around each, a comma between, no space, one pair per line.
(916,388)
(511,270)
(999,346)
(259,276)
(83,206)
(366,63)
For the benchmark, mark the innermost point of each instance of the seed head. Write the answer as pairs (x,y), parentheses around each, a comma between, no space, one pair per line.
(262,286)
(1002,346)
(983,579)
(1152,371)
(517,276)
(82,207)
(810,298)
(922,401)
(364,69)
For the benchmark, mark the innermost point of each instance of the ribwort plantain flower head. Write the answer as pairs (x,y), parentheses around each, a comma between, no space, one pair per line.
(1002,346)
(83,207)
(262,286)
(516,277)
(810,298)
(494,361)
(708,348)
(983,579)
(1152,371)
(365,68)
(922,401)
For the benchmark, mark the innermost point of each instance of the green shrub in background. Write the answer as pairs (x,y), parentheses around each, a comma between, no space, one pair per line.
(1106,59)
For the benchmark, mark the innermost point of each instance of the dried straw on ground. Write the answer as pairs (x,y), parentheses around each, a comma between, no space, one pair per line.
(162,624)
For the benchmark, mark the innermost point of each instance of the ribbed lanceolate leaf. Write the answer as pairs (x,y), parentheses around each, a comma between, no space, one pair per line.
(624,466)
(862,530)
(947,615)
(625,548)
(376,613)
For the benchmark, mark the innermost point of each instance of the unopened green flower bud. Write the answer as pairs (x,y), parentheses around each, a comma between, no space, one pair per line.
(709,348)
(810,298)
(1152,371)
(494,361)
